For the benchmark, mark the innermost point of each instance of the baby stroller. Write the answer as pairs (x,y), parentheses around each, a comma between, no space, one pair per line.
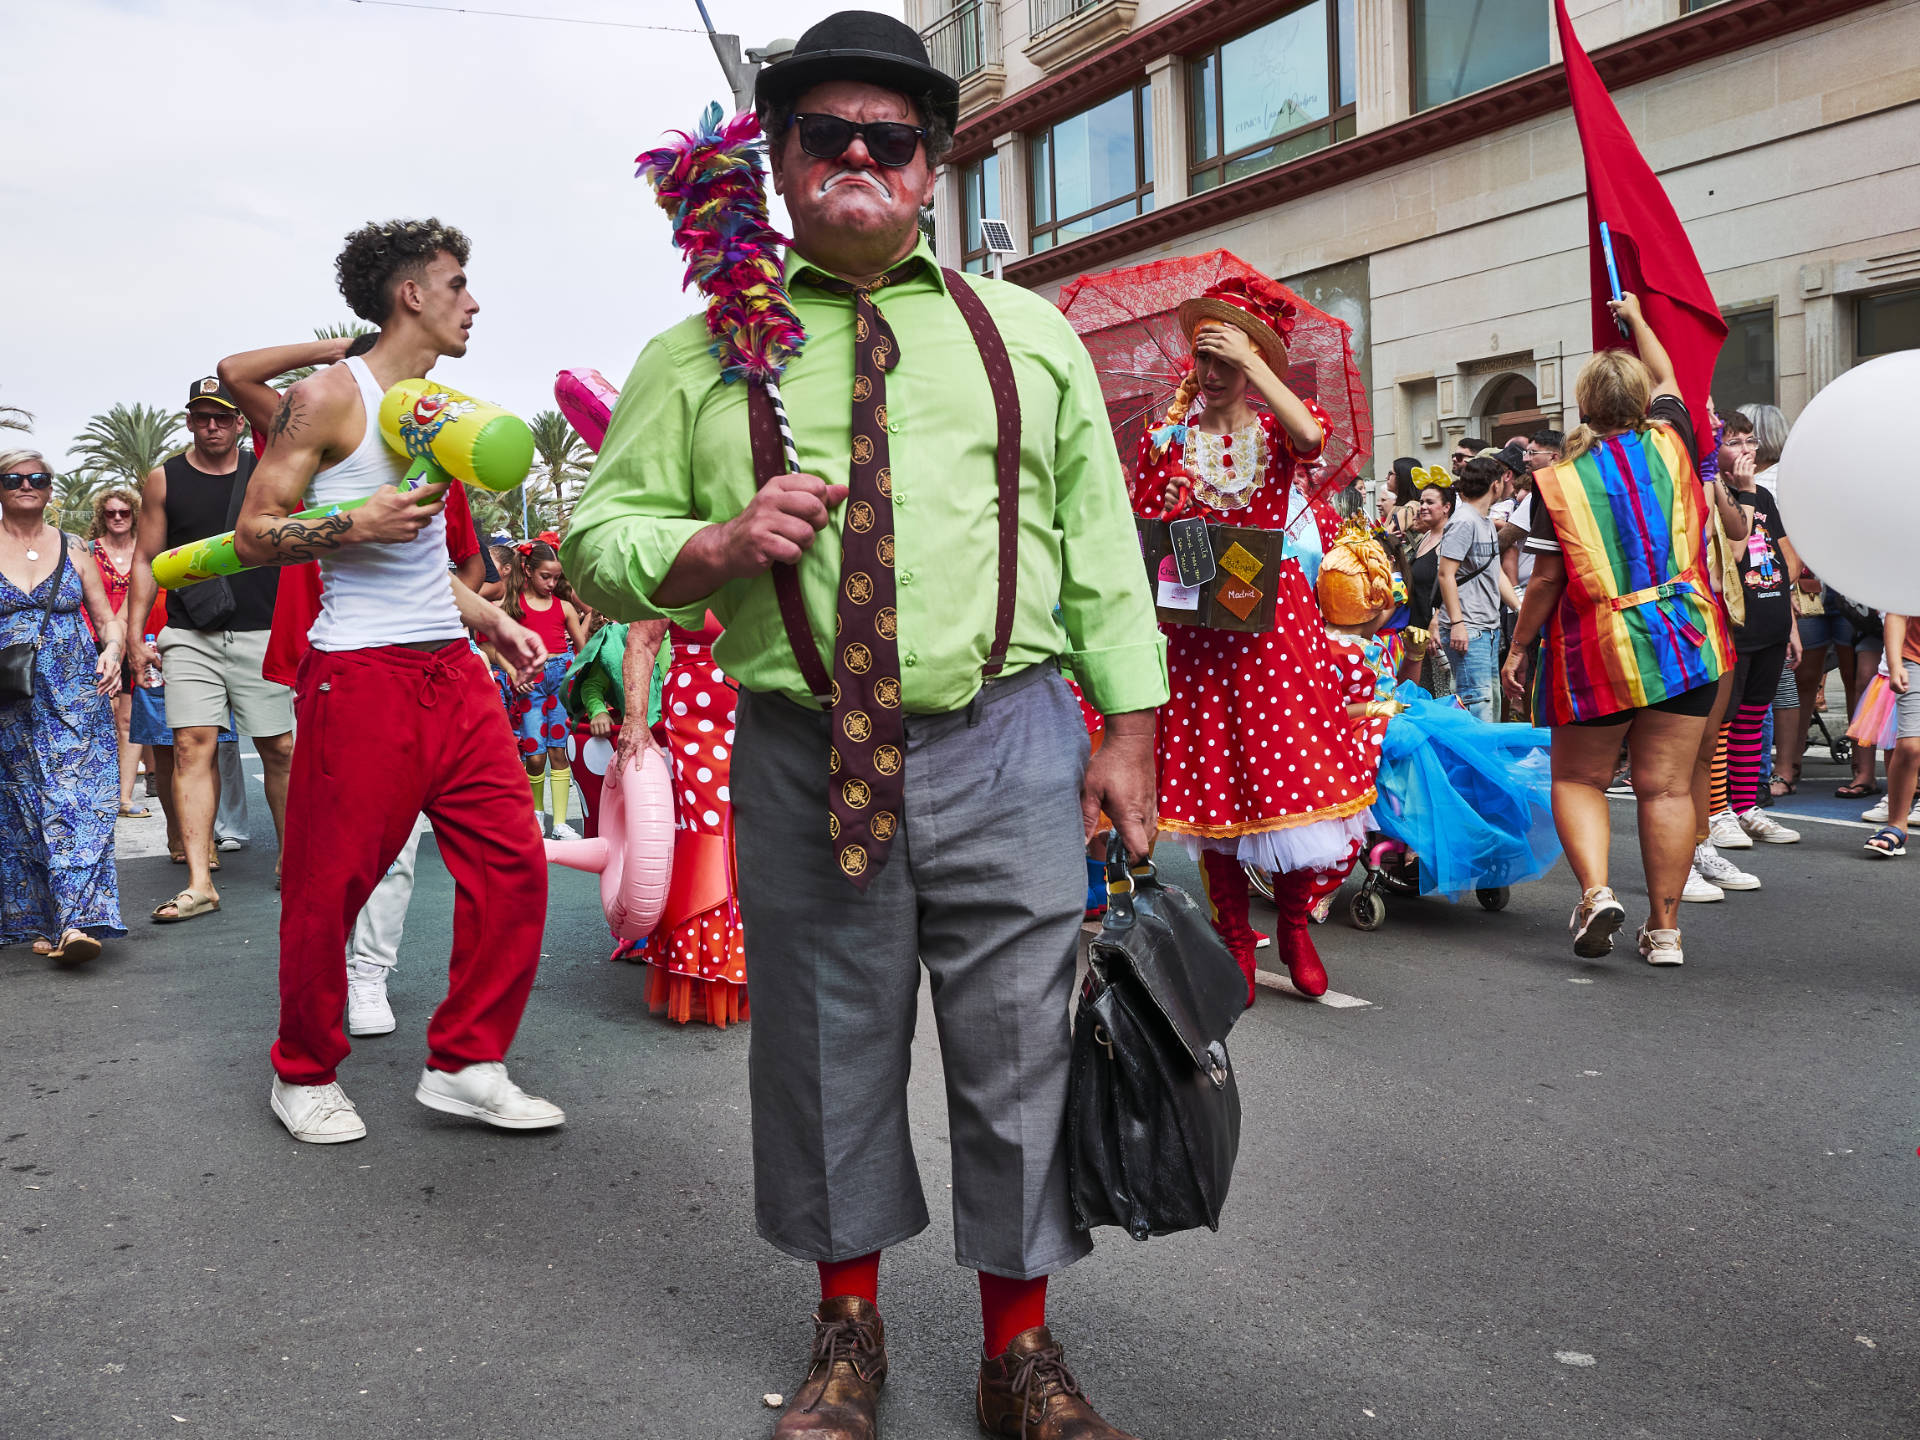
(1392,870)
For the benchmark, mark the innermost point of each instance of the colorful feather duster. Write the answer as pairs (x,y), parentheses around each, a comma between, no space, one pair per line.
(712,181)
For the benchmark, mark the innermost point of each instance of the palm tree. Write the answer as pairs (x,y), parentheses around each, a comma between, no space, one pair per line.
(348,330)
(12,417)
(127,442)
(561,459)
(71,507)
(497,510)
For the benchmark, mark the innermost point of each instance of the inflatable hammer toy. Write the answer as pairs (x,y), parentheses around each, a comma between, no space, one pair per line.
(633,854)
(444,434)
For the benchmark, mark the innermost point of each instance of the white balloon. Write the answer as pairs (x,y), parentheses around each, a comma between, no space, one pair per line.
(1851,506)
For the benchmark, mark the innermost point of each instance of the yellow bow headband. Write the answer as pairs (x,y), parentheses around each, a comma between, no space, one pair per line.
(1425,475)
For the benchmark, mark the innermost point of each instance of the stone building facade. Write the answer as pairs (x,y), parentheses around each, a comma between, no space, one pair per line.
(1411,165)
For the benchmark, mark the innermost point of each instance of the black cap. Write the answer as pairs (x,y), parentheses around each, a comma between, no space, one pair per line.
(1513,455)
(212,389)
(859,45)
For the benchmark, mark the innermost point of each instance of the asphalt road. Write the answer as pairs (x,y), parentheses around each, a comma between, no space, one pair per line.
(1515,1194)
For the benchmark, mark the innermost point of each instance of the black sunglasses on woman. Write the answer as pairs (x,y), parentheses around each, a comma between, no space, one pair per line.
(38,479)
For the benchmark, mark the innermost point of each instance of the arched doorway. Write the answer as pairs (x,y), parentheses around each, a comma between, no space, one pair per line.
(1509,409)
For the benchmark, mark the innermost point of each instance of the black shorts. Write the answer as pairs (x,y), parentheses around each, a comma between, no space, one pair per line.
(1697,702)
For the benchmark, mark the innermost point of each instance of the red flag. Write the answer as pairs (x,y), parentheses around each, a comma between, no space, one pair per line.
(1650,246)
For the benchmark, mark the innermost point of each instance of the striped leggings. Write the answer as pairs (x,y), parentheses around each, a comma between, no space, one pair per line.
(1737,758)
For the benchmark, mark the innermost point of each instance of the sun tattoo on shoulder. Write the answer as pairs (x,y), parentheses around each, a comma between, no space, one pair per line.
(288,419)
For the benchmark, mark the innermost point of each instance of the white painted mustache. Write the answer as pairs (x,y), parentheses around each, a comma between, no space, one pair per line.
(860,177)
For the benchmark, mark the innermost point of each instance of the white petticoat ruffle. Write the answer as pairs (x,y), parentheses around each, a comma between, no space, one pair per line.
(1321,845)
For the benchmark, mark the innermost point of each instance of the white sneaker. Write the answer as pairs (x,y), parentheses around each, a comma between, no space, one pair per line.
(1661,947)
(1713,867)
(1700,890)
(230,845)
(1876,814)
(484,1092)
(1724,832)
(368,1012)
(317,1114)
(563,831)
(1764,828)
(1595,918)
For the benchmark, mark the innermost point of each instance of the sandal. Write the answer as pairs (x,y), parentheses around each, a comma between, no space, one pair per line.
(179,857)
(1779,786)
(43,946)
(75,946)
(1857,790)
(1887,843)
(187,905)
(134,812)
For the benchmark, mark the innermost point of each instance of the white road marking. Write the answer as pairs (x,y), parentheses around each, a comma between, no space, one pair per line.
(1332,998)
(1793,815)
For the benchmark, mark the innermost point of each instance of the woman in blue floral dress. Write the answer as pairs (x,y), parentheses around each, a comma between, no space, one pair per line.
(59,776)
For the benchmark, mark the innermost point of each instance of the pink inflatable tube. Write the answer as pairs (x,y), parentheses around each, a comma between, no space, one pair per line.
(633,854)
(586,398)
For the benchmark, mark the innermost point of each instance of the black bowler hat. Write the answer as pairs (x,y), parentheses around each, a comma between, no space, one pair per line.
(859,45)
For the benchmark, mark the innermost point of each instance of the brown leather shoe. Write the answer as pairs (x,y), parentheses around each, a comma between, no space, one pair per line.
(1028,1393)
(844,1376)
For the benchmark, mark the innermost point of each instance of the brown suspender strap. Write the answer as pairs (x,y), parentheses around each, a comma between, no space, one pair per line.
(1006,458)
(770,460)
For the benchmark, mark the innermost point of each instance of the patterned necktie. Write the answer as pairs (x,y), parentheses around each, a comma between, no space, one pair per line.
(867,761)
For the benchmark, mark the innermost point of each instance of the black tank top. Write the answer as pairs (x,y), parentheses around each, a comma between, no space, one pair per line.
(197,506)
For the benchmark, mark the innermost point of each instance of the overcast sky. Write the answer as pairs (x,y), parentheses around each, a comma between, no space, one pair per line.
(176,177)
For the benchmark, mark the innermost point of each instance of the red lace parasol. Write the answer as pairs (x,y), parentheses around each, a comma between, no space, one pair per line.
(1129,320)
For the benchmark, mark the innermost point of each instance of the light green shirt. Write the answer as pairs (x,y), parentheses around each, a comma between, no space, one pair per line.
(677,458)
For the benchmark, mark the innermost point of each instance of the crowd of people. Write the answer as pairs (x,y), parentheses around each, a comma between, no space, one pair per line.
(854,673)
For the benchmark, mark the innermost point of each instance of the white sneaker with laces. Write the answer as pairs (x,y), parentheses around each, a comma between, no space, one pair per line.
(1661,947)
(1724,832)
(563,831)
(368,1012)
(1764,828)
(1716,869)
(1595,918)
(317,1114)
(1876,813)
(1700,890)
(483,1092)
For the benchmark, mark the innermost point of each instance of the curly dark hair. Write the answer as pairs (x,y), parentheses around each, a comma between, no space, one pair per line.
(379,255)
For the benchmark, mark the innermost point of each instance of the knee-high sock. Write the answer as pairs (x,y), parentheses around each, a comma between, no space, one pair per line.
(859,1276)
(1010,1308)
(1743,756)
(1717,783)
(539,783)
(560,782)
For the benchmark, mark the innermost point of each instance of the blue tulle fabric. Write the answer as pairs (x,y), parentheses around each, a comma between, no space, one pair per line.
(1473,800)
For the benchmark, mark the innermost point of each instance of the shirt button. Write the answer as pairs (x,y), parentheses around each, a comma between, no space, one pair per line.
(899,500)
(906,577)
(912,659)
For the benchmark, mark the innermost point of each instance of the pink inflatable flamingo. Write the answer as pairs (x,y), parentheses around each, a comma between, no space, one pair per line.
(633,854)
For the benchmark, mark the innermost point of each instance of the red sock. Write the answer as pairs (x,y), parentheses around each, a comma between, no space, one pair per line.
(851,1277)
(1010,1308)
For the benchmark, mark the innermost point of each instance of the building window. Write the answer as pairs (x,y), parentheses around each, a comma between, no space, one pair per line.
(1093,169)
(1460,46)
(1885,323)
(979,199)
(1270,95)
(1743,375)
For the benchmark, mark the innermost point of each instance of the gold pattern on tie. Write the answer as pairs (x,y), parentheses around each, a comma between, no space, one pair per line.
(869,732)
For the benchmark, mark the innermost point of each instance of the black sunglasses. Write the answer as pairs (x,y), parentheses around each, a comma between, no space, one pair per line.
(39,479)
(889,142)
(118,514)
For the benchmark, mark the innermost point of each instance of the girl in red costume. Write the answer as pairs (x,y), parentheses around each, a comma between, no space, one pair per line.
(1257,760)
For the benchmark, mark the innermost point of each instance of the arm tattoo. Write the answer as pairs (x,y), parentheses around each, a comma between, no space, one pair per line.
(295,540)
(287,419)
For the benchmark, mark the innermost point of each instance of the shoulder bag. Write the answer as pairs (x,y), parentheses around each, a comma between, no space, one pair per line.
(17,660)
(1153,1111)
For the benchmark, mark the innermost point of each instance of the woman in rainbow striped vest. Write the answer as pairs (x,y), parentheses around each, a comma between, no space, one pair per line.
(1633,640)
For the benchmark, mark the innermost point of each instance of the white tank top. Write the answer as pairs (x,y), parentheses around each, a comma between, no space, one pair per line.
(380,594)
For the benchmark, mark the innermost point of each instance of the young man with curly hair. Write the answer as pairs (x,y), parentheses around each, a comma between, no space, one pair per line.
(390,656)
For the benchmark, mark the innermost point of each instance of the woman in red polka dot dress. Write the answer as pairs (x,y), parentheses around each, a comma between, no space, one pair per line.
(697,954)
(1257,760)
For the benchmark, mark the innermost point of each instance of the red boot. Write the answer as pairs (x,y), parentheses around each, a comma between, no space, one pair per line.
(1293,899)
(1228,895)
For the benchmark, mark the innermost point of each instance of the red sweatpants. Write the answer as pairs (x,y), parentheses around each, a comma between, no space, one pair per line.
(385,734)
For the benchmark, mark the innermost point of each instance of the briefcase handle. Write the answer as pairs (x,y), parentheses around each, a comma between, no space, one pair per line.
(1120,882)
